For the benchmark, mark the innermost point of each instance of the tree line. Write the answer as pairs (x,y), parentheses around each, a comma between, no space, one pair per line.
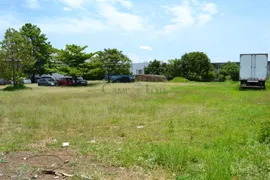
(194,66)
(28,51)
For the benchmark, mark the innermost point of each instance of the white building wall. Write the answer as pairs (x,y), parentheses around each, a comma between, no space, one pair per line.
(138,68)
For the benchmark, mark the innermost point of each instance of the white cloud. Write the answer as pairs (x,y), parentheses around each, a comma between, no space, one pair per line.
(195,2)
(57,25)
(74,3)
(182,15)
(125,3)
(67,9)
(33,4)
(126,21)
(106,15)
(204,18)
(189,13)
(146,48)
(79,3)
(210,8)
(112,17)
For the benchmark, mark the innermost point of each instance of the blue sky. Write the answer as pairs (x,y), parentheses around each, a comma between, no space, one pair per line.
(148,29)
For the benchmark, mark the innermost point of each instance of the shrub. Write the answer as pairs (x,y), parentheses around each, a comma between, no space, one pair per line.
(264,133)
(220,77)
(16,87)
(179,79)
(268,80)
(211,76)
(228,78)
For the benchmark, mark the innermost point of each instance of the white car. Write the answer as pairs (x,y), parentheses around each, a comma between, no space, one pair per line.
(27,81)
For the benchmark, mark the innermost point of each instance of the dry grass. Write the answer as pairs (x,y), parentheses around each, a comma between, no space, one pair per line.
(192,130)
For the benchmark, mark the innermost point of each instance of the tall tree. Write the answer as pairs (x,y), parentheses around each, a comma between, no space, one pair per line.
(41,48)
(2,64)
(72,61)
(114,61)
(53,63)
(196,66)
(93,69)
(156,67)
(174,68)
(16,55)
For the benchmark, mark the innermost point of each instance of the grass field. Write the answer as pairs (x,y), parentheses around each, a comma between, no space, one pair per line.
(179,131)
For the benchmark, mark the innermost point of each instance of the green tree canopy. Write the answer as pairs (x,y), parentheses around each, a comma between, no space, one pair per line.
(114,61)
(195,66)
(72,60)
(93,69)
(156,67)
(41,50)
(16,55)
(230,69)
(174,68)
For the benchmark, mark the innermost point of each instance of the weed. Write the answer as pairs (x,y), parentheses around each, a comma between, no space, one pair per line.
(264,133)
(171,126)
(171,155)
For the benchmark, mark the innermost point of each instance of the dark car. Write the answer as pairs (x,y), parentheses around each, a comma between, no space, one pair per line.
(124,79)
(81,82)
(46,81)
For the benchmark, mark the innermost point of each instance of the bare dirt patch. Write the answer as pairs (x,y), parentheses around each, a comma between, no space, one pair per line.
(65,164)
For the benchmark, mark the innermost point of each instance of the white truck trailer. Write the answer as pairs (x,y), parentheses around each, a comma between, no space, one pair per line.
(253,70)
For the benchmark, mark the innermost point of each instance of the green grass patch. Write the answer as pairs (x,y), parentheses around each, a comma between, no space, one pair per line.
(194,131)
(179,79)
(16,87)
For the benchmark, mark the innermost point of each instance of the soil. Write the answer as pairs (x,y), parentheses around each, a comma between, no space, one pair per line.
(63,164)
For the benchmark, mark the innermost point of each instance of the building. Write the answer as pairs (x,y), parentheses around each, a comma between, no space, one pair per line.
(138,68)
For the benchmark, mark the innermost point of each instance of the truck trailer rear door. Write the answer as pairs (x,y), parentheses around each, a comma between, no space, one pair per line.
(260,67)
(245,66)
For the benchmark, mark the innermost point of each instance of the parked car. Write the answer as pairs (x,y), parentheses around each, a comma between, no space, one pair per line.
(37,79)
(81,81)
(26,81)
(65,81)
(123,78)
(2,82)
(47,81)
(5,82)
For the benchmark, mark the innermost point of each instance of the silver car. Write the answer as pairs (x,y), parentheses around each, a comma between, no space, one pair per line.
(46,81)
(5,82)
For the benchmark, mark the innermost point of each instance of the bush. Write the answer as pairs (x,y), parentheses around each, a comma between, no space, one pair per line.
(16,87)
(220,77)
(179,79)
(228,78)
(268,80)
(264,133)
(211,76)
